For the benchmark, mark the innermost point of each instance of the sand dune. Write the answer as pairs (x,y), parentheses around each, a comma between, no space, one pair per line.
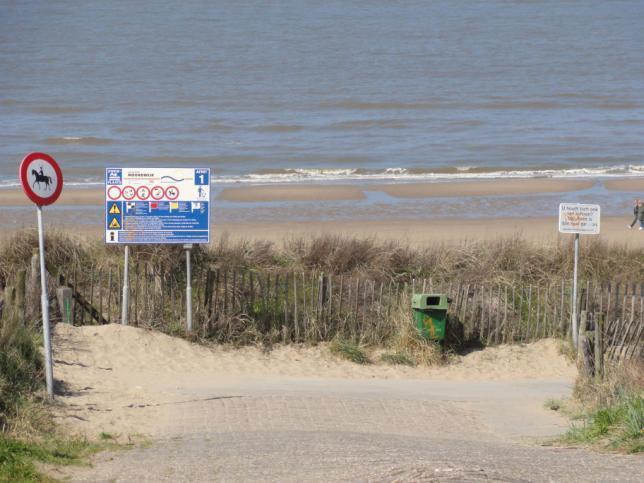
(127,380)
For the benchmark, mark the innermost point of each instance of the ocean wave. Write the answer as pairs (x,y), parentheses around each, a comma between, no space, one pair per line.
(52,109)
(278,128)
(82,140)
(368,106)
(464,172)
(419,174)
(368,124)
(84,183)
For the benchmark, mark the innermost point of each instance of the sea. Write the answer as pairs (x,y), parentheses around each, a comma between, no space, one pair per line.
(325,91)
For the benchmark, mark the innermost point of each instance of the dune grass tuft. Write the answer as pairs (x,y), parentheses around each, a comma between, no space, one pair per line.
(349,351)
(398,358)
(613,409)
(21,367)
(619,425)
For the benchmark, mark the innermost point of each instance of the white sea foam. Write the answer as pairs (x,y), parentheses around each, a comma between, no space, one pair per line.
(88,183)
(304,175)
(403,174)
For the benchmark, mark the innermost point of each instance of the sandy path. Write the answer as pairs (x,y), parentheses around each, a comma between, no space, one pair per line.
(300,414)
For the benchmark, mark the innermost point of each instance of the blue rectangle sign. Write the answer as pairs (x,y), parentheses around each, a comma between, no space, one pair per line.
(157,205)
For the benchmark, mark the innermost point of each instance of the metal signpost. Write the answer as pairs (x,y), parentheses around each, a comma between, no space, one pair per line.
(157,206)
(188,248)
(42,182)
(578,219)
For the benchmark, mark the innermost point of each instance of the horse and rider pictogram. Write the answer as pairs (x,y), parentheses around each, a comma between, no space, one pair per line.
(41,177)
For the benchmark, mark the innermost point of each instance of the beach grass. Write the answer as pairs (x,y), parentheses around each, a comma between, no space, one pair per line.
(512,259)
(19,457)
(258,285)
(607,413)
(618,425)
(21,367)
(399,358)
(350,351)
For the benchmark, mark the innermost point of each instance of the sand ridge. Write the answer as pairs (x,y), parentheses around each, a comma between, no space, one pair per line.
(127,380)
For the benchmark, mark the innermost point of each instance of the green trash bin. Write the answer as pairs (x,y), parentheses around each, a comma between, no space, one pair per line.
(430,314)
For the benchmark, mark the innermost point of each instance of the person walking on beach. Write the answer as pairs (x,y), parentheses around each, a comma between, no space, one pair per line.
(638,213)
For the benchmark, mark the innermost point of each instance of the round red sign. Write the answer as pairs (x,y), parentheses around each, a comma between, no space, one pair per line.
(41,178)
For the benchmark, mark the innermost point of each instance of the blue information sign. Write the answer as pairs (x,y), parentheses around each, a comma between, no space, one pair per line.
(157,205)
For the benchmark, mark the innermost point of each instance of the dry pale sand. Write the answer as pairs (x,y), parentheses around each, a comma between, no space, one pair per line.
(482,188)
(413,232)
(636,184)
(421,232)
(124,380)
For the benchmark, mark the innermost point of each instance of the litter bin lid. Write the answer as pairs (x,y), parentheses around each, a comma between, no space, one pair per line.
(436,301)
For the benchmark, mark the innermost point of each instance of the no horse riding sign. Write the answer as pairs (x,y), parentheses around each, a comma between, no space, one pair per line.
(42,181)
(41,178)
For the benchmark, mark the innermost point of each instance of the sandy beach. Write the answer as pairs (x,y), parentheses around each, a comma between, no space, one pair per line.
(329,192)
(380,220)
(419,232)
(292,193)
(69,196)
(482,188)
(406,231)
(636,184)
(312,192)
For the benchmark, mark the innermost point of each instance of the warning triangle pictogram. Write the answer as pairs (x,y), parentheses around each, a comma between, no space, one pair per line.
(114,224)
(114,210)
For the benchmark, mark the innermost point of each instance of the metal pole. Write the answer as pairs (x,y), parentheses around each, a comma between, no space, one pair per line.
(44,301)
(188,288)
(575,335)
(126,286)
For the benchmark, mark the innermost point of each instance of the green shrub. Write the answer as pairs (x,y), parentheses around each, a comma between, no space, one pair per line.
(618,425)
(17,457)
(21,367)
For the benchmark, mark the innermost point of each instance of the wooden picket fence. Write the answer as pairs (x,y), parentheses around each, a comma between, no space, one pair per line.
(294,306)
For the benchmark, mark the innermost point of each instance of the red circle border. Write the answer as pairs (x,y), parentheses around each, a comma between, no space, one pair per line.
(123,194)
(166,193)
(162,193)
(141,197)
(24,180)
(108,193)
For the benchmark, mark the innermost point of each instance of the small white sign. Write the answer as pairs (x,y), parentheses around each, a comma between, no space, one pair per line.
(579,218)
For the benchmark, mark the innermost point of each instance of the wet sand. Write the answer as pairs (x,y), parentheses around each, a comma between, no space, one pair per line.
(438,228)
(292,193)
(483,188)
(636,184)
(314,192)
(69,196)
(322,192)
